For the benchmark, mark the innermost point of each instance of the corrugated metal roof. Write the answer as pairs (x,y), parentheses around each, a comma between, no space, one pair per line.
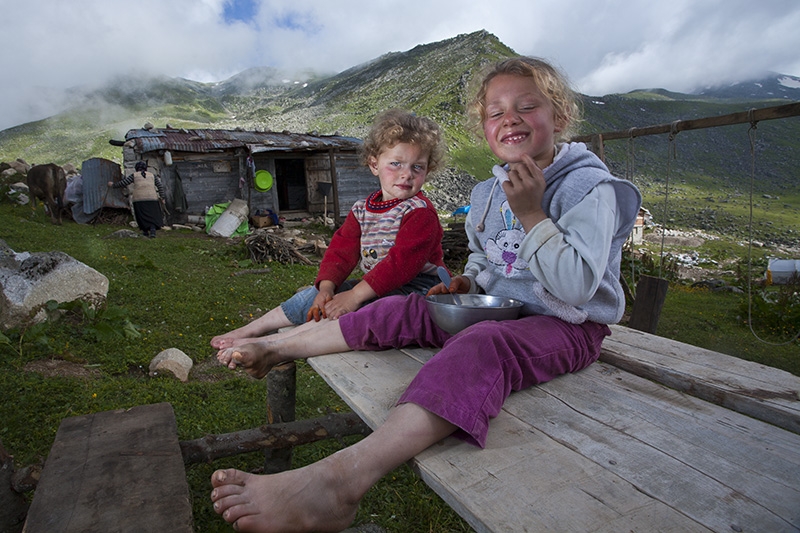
(202,141)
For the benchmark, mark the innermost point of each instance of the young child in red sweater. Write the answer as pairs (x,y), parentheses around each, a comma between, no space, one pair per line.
(394,234)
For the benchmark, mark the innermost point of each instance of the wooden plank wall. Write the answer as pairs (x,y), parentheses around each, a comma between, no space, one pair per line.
(318,168)
(209,179)
(354,181)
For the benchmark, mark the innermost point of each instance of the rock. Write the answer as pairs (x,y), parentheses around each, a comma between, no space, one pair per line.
(20,166)
(69,168)
(173,360)
(30,280)
(123,234)
(18,193)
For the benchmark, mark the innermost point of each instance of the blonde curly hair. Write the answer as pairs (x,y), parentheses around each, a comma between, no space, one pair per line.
(552,83)
(397,126)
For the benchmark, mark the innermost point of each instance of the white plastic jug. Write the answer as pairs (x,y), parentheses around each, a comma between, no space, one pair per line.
(230,219)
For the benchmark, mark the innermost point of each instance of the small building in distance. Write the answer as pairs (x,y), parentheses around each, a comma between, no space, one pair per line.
(203,167)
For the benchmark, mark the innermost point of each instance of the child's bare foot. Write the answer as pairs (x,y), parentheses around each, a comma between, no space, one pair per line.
(313,498)
(257,358)
(221,342)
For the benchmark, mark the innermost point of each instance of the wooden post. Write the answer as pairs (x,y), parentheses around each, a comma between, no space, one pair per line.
(650,295)
(598,147)
(335,186)
(281,401)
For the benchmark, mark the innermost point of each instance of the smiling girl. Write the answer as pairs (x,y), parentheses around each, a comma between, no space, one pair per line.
(548,229)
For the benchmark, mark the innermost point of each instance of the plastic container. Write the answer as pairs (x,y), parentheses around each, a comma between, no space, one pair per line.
(780,271)
(230,220)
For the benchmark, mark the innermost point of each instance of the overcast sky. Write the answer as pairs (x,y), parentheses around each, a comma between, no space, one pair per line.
(604,46)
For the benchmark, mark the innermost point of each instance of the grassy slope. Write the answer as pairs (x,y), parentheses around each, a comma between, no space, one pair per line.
(156,283)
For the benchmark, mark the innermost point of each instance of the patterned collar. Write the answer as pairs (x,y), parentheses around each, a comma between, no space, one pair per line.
(375,204)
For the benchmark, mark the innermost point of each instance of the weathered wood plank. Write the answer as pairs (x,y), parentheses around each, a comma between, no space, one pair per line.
(116,471)
(715,466)
(369,382)
(526,481)
(599,450)
(762,392)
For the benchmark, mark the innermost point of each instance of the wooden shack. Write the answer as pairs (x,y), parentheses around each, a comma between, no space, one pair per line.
(203,167)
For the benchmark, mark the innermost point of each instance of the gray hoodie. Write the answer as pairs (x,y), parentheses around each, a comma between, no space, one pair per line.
(567,266)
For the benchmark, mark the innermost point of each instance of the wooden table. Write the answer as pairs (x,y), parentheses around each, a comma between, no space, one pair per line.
(609,450)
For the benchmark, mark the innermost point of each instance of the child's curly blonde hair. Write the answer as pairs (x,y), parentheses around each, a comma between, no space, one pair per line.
(397,126)
(552,83)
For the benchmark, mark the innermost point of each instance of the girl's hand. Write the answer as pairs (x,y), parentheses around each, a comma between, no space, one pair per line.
(525,190)
(341,304)
(317,311)
(458,284)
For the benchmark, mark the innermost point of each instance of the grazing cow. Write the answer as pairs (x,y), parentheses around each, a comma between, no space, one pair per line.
(48,183)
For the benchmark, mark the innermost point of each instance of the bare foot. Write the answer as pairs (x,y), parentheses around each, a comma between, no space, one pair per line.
(222,341)
(313,498)
(257,358)
(230,342)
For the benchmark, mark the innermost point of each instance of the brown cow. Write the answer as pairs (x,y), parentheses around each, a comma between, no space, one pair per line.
(48,183)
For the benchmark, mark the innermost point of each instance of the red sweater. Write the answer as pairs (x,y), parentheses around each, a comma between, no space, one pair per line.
(393,242)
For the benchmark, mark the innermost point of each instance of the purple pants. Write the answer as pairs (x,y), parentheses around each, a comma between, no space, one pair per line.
(469,379)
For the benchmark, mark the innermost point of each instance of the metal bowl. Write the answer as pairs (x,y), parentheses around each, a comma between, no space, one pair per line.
(474,308)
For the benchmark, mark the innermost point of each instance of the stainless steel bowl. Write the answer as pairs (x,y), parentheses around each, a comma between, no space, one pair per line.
(474,308)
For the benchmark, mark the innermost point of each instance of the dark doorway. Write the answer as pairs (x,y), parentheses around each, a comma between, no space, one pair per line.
(290,180)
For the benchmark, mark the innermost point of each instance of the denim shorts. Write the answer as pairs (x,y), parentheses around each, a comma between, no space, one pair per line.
(296,308)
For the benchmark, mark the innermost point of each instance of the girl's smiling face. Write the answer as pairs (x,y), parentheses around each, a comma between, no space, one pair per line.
(401,169)
(519,120)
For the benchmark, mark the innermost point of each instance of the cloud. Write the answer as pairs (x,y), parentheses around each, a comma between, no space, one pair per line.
(613,46)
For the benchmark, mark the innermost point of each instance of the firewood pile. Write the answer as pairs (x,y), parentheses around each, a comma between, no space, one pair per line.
(455,247)
(112,216)
(265,247)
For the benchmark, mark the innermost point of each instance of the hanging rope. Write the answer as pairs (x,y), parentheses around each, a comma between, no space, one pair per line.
(629,173)
(751,134)
(672,153)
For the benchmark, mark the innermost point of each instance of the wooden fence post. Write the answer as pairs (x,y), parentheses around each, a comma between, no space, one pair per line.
(281,401)
(650,295)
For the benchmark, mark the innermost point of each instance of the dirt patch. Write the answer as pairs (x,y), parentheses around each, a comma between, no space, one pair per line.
(57,368)
(690,241)
(211,371)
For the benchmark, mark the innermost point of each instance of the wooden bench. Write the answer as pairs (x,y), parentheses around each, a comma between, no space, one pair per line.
(118,471)
(707,443)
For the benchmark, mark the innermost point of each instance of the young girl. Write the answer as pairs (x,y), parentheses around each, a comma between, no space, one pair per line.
(547,230)
(394,234)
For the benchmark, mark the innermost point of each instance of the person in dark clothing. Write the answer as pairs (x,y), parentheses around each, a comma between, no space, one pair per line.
(148,193)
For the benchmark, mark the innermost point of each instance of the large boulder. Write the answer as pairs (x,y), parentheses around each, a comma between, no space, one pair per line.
(20,166)
(30,280)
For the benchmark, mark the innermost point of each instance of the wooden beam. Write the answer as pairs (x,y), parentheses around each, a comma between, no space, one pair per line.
(281,435)
(743,117)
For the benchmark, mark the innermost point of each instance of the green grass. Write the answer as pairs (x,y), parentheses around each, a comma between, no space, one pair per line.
(179,291)
(719,321)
